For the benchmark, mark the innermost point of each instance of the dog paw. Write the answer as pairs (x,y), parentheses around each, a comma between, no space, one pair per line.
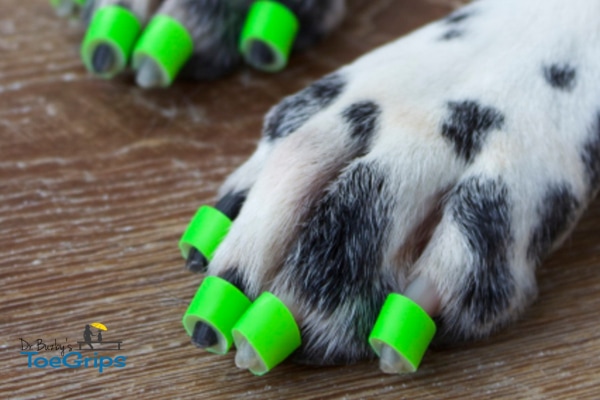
(445,165)
(209,30)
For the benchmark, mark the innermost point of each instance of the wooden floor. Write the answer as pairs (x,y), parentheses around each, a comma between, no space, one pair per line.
(98,180)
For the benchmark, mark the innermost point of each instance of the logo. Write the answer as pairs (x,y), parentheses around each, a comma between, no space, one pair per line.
(58,354)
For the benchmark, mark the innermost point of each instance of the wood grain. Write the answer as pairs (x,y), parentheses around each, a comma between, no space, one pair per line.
(99,178)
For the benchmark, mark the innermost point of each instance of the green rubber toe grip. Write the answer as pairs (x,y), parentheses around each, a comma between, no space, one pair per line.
(115,27)
(219,304)
(167,43)
(205,232)
(269,327)
(276,27)
(404,326)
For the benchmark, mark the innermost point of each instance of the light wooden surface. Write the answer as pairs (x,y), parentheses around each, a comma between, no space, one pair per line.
(98,179)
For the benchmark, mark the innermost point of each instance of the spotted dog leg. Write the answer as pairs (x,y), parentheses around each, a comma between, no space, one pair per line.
(447,166)
(216,25)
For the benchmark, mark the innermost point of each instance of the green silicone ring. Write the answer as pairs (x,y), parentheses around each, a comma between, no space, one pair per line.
(269,327)
(166,42)
(219,304)
(404,326)
(113,26)
(274,25)
(205,232)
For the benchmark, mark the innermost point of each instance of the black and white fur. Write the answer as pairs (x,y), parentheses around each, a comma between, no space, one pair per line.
(461,155)
(215,27)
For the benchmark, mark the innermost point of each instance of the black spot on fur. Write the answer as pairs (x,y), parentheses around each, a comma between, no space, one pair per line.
(557,212)
(210,65)
(235,277)
(481,210)
(217,26)
(231,204)
(293,111)
(452,34)
(457,17)
(350,350)
(210,11)
(335,263)
(560,76)
(455,22)
(468,125)
(338,251)
(590,156)
(363,119)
